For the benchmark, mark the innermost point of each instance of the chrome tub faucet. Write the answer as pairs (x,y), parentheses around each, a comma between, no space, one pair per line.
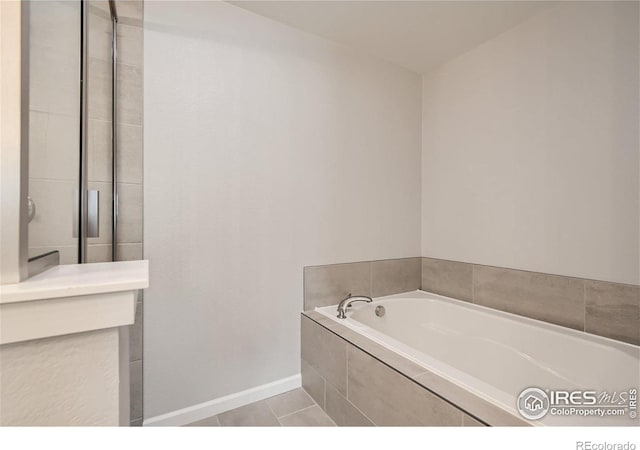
(344,304)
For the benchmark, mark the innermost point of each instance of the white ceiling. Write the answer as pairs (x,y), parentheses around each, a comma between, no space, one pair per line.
(418,35)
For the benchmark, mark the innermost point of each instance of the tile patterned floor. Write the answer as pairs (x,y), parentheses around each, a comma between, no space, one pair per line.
(293,408)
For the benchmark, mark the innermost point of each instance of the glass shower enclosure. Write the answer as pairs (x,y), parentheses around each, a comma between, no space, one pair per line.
(72,133)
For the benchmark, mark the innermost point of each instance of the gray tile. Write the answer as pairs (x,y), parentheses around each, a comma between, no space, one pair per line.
(55,24)
(289,402)
(468,421)
(342,412)
(208,422)
(129,252)
(389,357)
(38,161)
(136,423)
(99,149)
(385,355)
(135,389)
(53,146)
(129,150)
(130,44)
(129,161)
(256,414)
(102,252)
(467,401)
(135,335)
(312,383)
(53,223)
(310,417)
(393,276)
(98,253)
(613,310)
(99,29)
(99,89)
(322,320)
(54,75)
(129,89)
(129,213)
(390,399)
(327,285)
(450,278)
(552,298)
(325,352)
(129,10)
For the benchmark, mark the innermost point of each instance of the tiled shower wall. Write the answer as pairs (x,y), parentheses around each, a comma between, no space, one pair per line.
(129,114)
(598,307)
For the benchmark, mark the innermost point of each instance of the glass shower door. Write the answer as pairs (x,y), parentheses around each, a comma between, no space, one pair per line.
(100,101)
(54,126)
(70,130)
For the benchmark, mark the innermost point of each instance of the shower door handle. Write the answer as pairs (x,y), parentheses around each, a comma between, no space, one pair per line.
(93,213)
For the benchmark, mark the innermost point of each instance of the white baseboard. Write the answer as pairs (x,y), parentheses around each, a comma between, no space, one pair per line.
(228,402)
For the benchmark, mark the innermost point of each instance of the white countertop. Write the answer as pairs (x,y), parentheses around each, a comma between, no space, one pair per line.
(79,279)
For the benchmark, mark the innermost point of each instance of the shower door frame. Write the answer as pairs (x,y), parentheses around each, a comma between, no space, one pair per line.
(14,153)
(84,197)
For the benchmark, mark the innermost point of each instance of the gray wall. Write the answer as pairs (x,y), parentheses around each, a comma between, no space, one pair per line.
(266,150)
(530,147)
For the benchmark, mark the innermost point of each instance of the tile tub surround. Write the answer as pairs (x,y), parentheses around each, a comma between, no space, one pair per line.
(327,285)
(606,309)
(360,383)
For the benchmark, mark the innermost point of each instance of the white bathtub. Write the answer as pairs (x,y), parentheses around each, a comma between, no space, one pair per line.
(495,355)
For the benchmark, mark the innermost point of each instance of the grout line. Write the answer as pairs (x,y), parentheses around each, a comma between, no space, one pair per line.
(346,374)
(533,271)
(324,392)
(473,283)
(270,409)
(356,408)
(371,278)
(295,412)
(304,287)
(117,123)
(58,180)
(363,262)
(584,306)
